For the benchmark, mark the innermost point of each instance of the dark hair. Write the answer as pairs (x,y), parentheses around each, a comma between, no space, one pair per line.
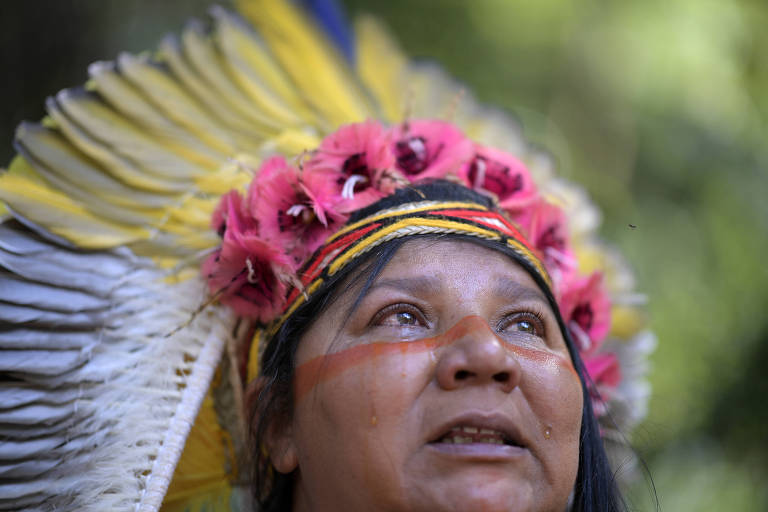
(595,488)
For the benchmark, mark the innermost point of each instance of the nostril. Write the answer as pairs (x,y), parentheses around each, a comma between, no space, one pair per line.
(501,377)
(462,375)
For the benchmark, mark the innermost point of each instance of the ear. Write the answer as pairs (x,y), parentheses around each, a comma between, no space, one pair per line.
(278,439)
(282,449)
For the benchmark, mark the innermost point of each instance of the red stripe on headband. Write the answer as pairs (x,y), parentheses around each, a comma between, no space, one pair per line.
(475,216)
(314,270)
(311,272)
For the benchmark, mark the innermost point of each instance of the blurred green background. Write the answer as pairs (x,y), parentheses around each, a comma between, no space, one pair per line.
(658,107)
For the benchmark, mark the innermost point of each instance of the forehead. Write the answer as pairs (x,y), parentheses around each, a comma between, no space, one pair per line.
(454,261)
(451,275)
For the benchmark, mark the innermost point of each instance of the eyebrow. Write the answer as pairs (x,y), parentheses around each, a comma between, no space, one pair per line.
(431,285)
(518,291)
(413,285)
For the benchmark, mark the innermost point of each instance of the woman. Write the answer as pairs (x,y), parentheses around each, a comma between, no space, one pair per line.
(432,330)
(426,366)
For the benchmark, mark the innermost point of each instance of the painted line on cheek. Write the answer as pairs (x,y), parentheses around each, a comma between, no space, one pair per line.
(325,367)
(322,368)
(542,357)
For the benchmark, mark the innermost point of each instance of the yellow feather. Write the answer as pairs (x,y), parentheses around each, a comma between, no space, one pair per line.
(294,142)
(310,60)
(244,133)
(627,321)
(381,66)
(201,54)
(20,167)
(257,72)
(125,138)
(212,498)
(229,177)
(194,211)
(131,103)
(59,162)
(113,164)
(430,92)
(201,477)
(61,214)
(252,369)
(170,99)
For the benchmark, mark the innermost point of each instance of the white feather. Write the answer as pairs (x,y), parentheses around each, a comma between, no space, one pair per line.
(41,339)
(23,315)
(98,400)
(43,296)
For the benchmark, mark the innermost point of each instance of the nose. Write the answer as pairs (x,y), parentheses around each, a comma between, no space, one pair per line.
(477,357)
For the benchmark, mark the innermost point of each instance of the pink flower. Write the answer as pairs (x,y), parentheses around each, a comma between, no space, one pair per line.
(232,213)
(547,229)
(359,159)
(501,174)
(586,310)
(245,272)
(249,275)
(604,370)
(430,149)
(296,210)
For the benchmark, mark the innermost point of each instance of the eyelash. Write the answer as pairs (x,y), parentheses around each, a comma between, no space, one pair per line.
(532,315)
(535,317)
(393,309)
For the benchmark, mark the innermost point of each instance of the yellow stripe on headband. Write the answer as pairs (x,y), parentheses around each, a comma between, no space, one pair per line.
(447,225)
(276,324)
(300,299)
(407,208)
(531,258)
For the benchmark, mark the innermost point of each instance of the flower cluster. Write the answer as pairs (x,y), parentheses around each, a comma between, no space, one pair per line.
(290,210)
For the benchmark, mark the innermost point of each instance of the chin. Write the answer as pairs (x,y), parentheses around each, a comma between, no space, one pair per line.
(489,496)
(495,503)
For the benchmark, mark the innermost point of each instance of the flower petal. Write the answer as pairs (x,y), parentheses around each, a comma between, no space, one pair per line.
(503,175)
(429,149)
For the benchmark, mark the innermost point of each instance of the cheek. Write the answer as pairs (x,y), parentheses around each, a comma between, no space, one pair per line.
(555,397)
(349,386)
(356,414)
(554,392)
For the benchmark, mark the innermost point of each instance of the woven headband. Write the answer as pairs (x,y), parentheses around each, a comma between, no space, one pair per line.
(410,219)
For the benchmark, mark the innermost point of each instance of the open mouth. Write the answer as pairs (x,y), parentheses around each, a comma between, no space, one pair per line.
(465,434)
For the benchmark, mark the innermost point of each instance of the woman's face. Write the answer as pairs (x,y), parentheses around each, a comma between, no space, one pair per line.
(448,388)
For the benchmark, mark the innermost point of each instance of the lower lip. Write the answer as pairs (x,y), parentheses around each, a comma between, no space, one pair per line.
(481,452)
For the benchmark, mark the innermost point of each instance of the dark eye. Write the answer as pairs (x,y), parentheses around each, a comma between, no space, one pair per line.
(524,326)
(527,323)
(405,318)
(399,315)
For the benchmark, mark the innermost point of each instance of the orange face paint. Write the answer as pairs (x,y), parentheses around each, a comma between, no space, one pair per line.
(325,367)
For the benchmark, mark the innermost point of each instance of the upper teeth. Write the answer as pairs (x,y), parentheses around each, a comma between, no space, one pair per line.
(486,435)
(475,430)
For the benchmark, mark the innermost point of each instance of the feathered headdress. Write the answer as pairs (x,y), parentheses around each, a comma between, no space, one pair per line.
(123,362)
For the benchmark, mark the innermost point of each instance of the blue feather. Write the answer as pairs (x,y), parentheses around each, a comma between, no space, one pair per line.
(331,17)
